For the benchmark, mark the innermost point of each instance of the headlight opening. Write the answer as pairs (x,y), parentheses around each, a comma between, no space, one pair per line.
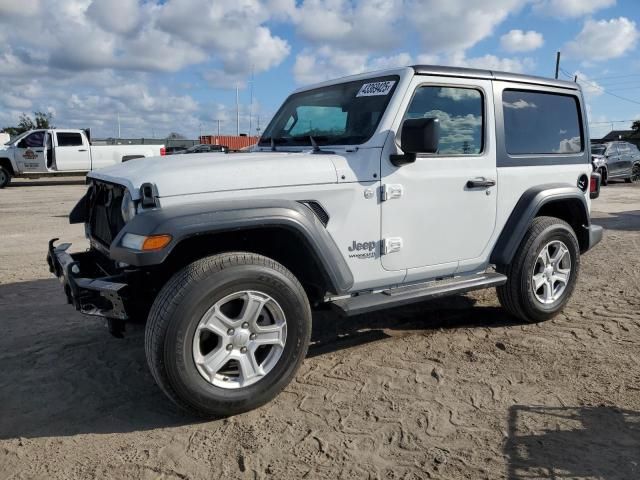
(128,207)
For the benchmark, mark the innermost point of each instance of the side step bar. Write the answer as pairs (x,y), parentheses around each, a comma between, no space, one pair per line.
(397,297)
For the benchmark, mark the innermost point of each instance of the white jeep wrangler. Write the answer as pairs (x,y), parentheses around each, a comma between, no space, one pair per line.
(364,193)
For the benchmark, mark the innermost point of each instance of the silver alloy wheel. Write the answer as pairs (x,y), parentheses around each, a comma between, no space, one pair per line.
(635,173)
(240,339)
(551,272)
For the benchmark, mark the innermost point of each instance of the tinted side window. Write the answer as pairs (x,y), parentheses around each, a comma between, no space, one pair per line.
(541,123)
(69,139)
(36,139)
(460,111)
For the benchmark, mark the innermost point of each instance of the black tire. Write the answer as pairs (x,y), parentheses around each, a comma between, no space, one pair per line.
(517,295)
(603,175)
(181,304)
(5,177)
(635,174)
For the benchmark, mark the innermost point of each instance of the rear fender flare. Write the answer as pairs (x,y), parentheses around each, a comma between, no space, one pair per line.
(527,208)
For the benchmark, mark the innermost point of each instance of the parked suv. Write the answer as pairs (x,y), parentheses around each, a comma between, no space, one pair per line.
(616,160)
(365,193)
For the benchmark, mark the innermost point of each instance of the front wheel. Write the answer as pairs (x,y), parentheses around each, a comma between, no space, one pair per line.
(635,174)
(544,271)
(5,177)
(227,333)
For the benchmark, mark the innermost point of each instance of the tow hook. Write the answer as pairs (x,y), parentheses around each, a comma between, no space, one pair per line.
(116,327)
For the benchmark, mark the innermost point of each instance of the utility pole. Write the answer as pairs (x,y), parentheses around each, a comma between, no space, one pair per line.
(251,104)
(237,111)
(557,63)
(118,124)
(218,121)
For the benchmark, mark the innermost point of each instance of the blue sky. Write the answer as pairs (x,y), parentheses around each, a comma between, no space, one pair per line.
(174,65)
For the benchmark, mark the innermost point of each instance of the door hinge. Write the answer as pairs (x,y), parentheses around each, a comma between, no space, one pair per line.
(391,245)
(391,190)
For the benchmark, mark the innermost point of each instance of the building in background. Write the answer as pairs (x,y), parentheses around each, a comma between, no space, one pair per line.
(630,136)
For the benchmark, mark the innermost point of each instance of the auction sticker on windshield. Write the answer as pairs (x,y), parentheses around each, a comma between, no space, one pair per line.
(376,88)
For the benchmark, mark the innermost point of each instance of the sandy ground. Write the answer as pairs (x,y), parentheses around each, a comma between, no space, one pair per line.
(452,389)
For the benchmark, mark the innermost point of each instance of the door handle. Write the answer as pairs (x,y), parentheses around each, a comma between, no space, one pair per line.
(38,151)
(82,150)
(480,182)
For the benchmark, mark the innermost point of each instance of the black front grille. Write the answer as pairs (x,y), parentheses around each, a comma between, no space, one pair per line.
(105,217)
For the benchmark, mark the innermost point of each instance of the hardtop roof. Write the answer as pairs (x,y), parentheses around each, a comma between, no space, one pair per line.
(492,75)
(460,72)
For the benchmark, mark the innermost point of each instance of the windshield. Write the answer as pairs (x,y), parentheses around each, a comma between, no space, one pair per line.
(341,114)
(598,149)
(18,138)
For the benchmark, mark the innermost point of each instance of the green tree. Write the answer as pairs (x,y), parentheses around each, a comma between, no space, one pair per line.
(635,126)
(26,123)
(176,136)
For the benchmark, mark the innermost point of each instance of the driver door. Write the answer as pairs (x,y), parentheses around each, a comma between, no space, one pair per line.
(31,153)
(440,213)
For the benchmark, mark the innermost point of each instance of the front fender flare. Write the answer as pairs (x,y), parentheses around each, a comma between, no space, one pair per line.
(186,221)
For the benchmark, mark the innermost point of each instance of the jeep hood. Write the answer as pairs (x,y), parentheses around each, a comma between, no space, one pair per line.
(216,172)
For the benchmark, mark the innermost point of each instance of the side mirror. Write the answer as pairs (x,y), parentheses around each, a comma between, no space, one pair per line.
(22,144)
(419,135)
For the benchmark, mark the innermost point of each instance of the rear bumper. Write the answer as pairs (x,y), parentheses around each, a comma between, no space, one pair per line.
(90,293)
(595,235)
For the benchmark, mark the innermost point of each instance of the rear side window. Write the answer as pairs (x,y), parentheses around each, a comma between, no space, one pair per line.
(69,139)
(541,123)
(460,111)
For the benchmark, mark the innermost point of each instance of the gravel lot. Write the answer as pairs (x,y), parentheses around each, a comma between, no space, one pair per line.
(451,389)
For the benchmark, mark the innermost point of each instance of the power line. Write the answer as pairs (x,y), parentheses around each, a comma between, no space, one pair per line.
(617,76)
(612,121)
(595,85)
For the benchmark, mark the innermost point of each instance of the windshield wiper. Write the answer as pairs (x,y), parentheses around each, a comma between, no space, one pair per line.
(272,142)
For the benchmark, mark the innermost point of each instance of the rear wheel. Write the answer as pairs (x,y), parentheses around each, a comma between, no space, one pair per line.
(5,177)
(544,271)
(635,174)
(228,333)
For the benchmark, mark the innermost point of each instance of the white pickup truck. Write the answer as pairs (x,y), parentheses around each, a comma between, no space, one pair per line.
(38,153)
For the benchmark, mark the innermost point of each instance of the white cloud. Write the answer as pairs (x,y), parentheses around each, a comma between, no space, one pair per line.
(455,25)
(569,145)
(519,104)
(590,88)
(604,39)
(358,26)
(119,16)
(570,8)
(491,62)
(519,41)
(19,8)
(312,66)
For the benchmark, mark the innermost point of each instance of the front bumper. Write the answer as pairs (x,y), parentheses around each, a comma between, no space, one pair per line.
(84,282)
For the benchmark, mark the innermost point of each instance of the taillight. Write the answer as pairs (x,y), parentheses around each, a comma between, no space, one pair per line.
(594,185)
(163,151)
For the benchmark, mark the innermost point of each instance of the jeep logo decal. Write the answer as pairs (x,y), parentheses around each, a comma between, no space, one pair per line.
(362,246)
